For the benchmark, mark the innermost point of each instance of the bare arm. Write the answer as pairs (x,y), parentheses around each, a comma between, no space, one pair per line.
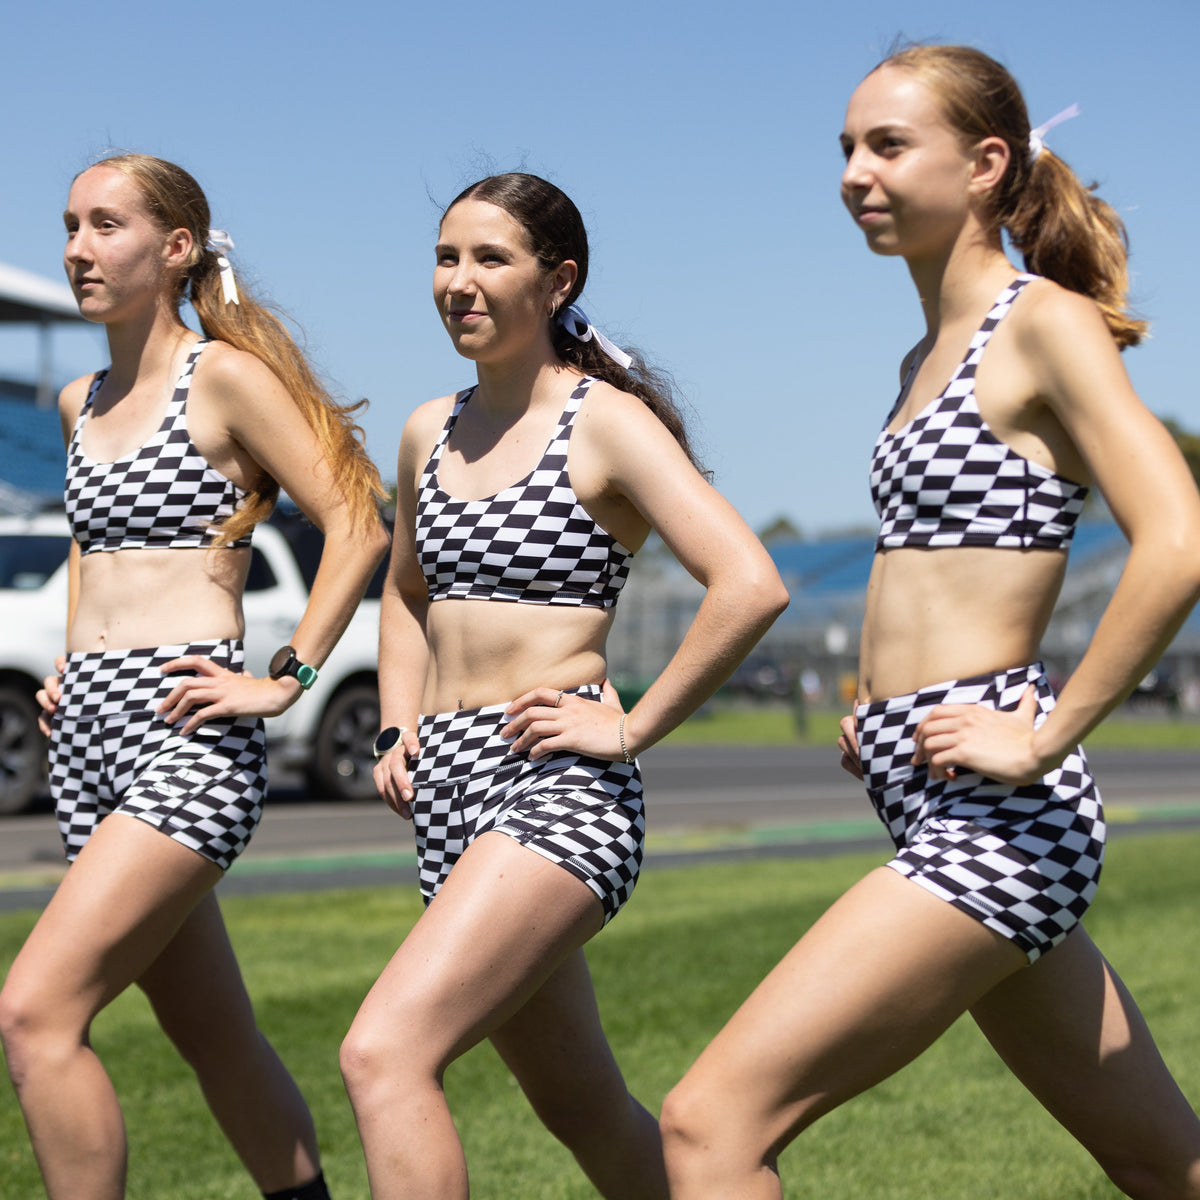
(1150,491)
(262,418)
(70,403)
(403,651)
(743,591)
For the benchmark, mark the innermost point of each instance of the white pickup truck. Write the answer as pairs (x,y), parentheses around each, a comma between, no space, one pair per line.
(327,733)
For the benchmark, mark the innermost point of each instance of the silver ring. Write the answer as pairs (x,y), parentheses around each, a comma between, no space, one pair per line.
(559,700)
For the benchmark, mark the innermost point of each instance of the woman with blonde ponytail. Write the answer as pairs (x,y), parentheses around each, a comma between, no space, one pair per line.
(158,767)
(1013,402)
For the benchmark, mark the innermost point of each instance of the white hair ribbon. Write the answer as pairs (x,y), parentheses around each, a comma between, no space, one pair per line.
(220,243)
(574,321)
(1037,137)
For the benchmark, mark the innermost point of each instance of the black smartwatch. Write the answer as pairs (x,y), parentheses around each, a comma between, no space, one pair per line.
(284,662)
(387,740)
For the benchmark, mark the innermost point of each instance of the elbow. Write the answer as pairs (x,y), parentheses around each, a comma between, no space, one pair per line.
(1193,593)
(369,540)
(1183,556)
(768,596)
(381,542)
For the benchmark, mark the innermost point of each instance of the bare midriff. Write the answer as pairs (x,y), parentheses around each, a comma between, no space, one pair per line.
(486,652)
(933,616)
(132,599)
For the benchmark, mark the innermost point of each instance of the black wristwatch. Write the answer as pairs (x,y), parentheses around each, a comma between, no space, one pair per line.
(387,740)
(284,662)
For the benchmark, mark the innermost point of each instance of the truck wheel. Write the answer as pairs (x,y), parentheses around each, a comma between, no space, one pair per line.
(343,753)
(22,751)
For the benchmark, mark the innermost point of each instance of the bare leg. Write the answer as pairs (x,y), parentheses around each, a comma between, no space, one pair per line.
(503,923)
(874,982)
(198,996)
(120,903)
(1069,1030)
(561,1058)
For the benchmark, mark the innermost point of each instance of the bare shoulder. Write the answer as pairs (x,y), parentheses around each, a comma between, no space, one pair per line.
(70,403)
(235,375)
(421,431)
(1049,318)
(433,414)
(611,416)
(71,398)
(620,446)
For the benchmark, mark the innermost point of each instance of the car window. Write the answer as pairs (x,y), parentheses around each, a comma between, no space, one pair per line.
(260,576)
(28,560)
(307,542)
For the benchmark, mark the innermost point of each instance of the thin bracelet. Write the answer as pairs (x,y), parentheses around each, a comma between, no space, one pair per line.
(621,735)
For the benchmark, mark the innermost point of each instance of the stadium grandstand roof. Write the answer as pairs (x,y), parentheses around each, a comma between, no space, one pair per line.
(31,298)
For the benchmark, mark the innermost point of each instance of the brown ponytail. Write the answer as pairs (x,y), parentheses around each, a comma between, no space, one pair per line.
(176,201)
(1061,228)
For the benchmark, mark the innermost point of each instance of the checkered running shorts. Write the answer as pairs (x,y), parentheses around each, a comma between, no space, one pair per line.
(1023,860)
(111,752)
(583,813)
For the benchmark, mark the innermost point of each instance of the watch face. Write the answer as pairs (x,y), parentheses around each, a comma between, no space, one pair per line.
(280,660)
(387,740)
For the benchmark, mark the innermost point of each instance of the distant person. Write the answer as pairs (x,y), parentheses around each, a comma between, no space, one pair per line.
(158,767)
(520,503)
(1010,405)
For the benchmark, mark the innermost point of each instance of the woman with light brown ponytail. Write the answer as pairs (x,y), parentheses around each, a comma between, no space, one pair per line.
(158,768)
(970,761)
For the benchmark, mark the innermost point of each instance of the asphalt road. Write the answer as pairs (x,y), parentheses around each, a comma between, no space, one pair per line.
(704,801)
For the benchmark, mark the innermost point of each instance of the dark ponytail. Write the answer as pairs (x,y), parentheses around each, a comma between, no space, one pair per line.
(556,234)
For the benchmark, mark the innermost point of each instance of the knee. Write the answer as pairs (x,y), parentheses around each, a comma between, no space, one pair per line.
(1146,1180)
(683,1123)
(356,1058)
(371,1057)
(14,1020)
(26,1028)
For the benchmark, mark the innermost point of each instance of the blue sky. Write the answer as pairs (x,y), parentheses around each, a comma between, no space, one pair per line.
(699,141)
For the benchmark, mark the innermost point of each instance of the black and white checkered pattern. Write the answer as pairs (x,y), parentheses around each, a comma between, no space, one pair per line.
(1023,860)
(533,543)
(945,479)
(583,813)
(111,752)
(163,495)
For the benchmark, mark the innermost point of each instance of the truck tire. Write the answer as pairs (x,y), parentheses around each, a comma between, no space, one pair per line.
(343,753)
(22,750)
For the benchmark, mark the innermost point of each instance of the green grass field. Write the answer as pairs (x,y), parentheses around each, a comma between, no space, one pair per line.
(668,972)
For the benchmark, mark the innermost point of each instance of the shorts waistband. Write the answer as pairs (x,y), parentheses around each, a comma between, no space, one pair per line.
(589,691)
(104,684)
(938,693)
(456,744)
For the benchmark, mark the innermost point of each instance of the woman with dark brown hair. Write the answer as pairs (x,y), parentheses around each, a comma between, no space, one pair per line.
(520,502)
(158,765)
(1010,405)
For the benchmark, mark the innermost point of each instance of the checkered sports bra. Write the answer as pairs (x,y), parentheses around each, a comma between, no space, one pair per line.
(162,496)
(532,543)
(945,479)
